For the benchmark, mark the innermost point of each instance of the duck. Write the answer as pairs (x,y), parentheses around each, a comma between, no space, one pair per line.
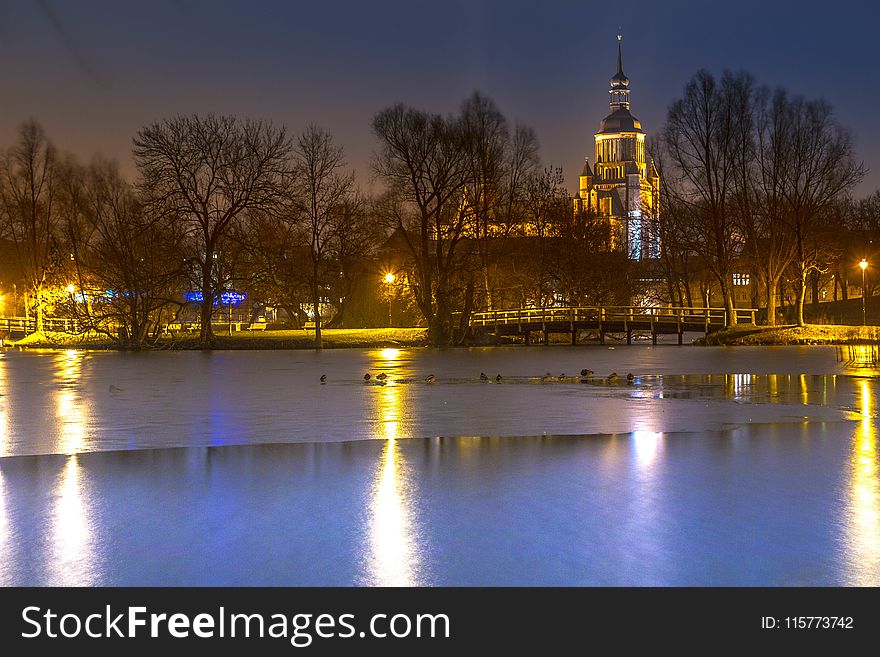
(630,377)
(586,372)
(430,378)
(561,377)
(381,376)
(367,376)
(612,377)
(483,376)
(114,389)
(498,379)
(323,378)
(547,377)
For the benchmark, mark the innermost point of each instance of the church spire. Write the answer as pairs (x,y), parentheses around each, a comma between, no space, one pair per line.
(619,83)
(619,56)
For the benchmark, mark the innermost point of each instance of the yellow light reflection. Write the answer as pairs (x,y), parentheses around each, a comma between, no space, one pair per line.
(804,389)
(394,558)
(70,533)
(390,354)
(5,448)
(69,406)
(5,531)
(773,388)
(864,498)
(860,359)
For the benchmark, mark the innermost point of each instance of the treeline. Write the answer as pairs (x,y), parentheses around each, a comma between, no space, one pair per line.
(468,219)
(757,181)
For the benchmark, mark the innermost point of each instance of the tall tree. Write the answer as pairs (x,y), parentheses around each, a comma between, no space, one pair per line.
(763,207)
(28,172)
(126,264)
(211,171)
(817,165)
(498,163)
(706,130)
(323,188)
(422,158)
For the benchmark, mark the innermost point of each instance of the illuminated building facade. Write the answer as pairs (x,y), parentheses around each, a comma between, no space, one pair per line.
(623,187)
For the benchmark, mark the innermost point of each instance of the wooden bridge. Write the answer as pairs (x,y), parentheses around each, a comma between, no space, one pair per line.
(604,320)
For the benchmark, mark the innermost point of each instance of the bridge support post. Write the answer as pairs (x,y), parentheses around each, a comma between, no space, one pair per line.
(629,336)
(528,338)
(653,337)
(546,336)
(680,337)
(574,337)
(601,333)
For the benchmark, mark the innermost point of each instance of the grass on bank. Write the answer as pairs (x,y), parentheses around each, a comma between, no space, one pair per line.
(291,339)
(827,334)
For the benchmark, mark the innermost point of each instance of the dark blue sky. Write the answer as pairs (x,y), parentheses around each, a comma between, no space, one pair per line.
(94,71)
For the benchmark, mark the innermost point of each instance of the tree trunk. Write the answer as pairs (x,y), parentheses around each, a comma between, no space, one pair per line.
(39,309)
(316,302)
(772,284)
(488,287)
(801,296)
(206,333)
(438,325)
(814,285)
(729,307)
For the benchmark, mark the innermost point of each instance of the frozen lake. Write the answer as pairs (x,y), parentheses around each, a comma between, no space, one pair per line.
(715,466)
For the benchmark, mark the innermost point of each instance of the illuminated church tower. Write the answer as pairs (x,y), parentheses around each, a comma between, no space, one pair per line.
(623,187)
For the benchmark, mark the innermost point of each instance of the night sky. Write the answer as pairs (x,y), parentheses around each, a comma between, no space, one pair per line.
(93,72)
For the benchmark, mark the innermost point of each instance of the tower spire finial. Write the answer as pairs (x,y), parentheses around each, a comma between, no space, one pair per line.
(619,56)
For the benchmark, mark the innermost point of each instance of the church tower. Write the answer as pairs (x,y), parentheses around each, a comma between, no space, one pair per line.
(623,186)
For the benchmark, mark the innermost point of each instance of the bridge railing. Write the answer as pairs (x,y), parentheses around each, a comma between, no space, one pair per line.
(29,324)
(611,315)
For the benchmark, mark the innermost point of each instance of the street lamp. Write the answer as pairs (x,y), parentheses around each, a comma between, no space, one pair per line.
(389,280)
(864,265)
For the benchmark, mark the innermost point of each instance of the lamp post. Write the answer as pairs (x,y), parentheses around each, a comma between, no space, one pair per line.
(389,280)
(864,265)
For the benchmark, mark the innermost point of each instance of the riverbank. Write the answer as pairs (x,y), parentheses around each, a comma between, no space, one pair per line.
(376,338)
(820,334)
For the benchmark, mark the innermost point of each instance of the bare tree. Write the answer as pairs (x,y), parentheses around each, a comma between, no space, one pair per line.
(761,195)
(498,163)
(422,158)
(704,135)
(126,264)
(816,167)
(210,171)
(547,206)
(323,187)
(27,211)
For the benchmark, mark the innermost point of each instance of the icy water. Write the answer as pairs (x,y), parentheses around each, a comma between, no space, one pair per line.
(714,466)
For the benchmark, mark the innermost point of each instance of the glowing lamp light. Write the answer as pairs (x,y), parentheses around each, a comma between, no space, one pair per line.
(390,278)
(71,288)
(863,264)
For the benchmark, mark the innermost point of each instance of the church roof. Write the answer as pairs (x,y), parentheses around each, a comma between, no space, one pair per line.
(620,120)
(586,171)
